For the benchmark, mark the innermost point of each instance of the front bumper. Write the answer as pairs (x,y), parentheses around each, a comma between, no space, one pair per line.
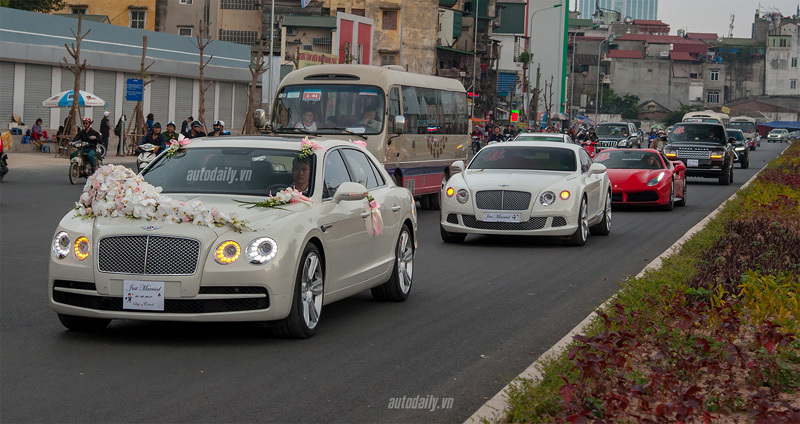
(543,225)
(645,196)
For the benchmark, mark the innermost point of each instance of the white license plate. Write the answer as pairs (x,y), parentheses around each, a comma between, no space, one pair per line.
(501,217)
(143,295)
(692,162)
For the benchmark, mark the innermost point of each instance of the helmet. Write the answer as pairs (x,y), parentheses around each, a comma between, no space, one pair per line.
(87,119)
(105,113)
(219,123)
(157,125)
(171,123)
(196,124)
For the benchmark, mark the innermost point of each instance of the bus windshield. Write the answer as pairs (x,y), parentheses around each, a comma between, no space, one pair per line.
(329,109)
(747,127)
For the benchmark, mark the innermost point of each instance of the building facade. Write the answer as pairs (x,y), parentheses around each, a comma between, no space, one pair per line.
(782,73)
(140,14)
(636,9)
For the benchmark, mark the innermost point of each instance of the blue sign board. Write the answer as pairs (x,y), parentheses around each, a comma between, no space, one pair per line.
(135,88)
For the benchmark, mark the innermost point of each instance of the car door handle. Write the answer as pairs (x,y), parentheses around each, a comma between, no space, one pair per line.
(325,227)
(396,208)
(365,215)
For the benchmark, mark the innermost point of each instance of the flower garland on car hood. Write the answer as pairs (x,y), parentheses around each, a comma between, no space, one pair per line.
(116,191)
(283,197)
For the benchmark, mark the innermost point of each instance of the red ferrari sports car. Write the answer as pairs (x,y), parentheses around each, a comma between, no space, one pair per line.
(644,177)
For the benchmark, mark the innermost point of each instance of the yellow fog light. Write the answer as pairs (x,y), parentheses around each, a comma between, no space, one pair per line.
(81,248)
(450,192)
(716,156)
(564,195)
(227,252)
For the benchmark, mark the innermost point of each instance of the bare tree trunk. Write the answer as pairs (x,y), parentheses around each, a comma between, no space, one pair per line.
(257,67)
(70,127)
(201,45)
(138,128)
(548,100)
(536,92)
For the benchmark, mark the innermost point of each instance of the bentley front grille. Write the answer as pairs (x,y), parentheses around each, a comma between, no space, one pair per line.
(503,200)
(148,255)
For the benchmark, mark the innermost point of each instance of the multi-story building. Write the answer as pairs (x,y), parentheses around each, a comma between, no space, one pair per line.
(139,14)
(236,21)
(636,9)
(783,53)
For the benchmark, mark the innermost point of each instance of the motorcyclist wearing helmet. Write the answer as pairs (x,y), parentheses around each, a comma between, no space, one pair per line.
(197,130)
(89,135)
(170,135)
(155,138)
(219,129)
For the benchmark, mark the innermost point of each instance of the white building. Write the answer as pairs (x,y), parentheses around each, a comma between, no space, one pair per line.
(782,73)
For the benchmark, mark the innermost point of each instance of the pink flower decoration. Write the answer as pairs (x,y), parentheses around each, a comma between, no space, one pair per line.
(360,143)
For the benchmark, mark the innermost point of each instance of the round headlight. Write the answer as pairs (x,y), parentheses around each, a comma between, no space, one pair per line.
(462,196)
(81,248)
(450,192)
(227,252)
(61,245)
(564,195)
(547,198)
(261,250)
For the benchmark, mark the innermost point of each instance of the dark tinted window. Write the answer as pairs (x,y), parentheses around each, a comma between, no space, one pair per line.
(629,159)
(526,158)
(335,173)
(698,132)
(361,170)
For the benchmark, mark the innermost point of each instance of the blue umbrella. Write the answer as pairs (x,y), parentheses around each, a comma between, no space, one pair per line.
(66,98)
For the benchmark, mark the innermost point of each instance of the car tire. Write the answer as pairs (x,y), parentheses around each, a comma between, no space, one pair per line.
(303,318)
(449,237)
(398,287)
(603,228)
(85,324)
(671,203)
(74,173)
(580,235)
(682,202)
(727,178)
(746,162)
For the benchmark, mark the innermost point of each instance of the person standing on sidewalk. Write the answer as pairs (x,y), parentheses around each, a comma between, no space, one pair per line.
(119,131)
(186,126)
(105,128)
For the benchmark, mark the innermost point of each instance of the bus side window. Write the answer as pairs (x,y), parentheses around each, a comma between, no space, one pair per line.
(394,103)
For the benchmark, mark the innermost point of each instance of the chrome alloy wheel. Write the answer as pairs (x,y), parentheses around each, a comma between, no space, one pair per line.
(608,213)
(405,261)
(311,288)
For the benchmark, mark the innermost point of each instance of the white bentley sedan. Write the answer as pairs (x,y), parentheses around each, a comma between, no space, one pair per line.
(532,188)
(234,229)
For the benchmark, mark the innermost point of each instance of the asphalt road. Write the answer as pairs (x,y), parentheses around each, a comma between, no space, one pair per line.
(478,315)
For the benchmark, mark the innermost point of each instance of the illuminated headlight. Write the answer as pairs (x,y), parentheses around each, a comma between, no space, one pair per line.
(656,180)
(81,248)
(717,155)
(61,245)
(622,143)
(261,250)
(739,149)
(227,252)
(462,196)
(547,198)
(450,192)
(670,153)
(564,195)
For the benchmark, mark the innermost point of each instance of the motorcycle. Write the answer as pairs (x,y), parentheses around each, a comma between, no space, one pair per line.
(147,152)
(590,147)
(3,162)
(476,143)
(79,166)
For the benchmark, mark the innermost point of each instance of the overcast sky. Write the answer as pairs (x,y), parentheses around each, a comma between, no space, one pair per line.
(715,15)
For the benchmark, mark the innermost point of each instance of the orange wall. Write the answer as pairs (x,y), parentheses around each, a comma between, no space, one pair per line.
(117,10)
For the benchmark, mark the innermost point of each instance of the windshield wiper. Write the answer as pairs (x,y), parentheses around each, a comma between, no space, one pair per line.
(344,129)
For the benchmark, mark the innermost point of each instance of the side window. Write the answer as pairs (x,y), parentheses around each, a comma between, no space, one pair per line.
(586,161)
(362,172)
(335,174)
(394,103)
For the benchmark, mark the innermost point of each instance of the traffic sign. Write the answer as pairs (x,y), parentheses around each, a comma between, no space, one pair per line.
(135,90)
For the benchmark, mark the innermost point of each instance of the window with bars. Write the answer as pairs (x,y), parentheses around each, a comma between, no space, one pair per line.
(792,84)
(240,4)
(138,18)
(238,37)
(358,12)
(712,97)
(714,75)
(388,59)
(389,19)
(186,31)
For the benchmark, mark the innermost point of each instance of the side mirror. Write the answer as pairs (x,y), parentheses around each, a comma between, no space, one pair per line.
(679,166)
(260,118)
(597,168)
(456,167)
(399,124)
(350,191)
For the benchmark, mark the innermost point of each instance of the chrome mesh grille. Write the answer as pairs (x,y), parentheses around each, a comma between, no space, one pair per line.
(536,223)
(503,200)
(148,255)
(694,154)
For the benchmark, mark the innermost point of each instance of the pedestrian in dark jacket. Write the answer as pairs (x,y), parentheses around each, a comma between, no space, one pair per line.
(105,129)
(89,135)
(155,138)
(186,126)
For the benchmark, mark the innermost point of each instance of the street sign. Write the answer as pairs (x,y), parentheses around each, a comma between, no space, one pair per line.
(726,110)
(514,116)
(134,90)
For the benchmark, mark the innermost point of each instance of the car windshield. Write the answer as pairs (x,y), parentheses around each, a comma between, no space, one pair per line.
(539,138)
(525,158)
(629,159)
(704,133)
(229,170)
(744,126)
(329,109)
(736,135)
(776,132)
(612,129)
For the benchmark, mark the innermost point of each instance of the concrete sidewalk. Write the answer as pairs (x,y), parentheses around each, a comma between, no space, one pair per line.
(21,160)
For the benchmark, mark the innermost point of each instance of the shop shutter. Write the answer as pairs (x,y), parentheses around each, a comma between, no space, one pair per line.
(183,100)
(159,101)
(210,96)
(225,104)
(240,108)
(38,80)
(7,93)
(105,87)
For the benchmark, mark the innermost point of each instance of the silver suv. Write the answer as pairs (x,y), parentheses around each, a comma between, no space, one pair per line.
(778,135)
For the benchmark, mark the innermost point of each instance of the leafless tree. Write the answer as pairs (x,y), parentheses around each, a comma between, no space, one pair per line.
(534,107)
(548,99)
(74,50)
(257,67)
(201,45)
(139,129)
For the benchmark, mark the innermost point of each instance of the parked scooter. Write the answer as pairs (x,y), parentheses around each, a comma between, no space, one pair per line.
(3,162)
(147,152)
(79,166)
